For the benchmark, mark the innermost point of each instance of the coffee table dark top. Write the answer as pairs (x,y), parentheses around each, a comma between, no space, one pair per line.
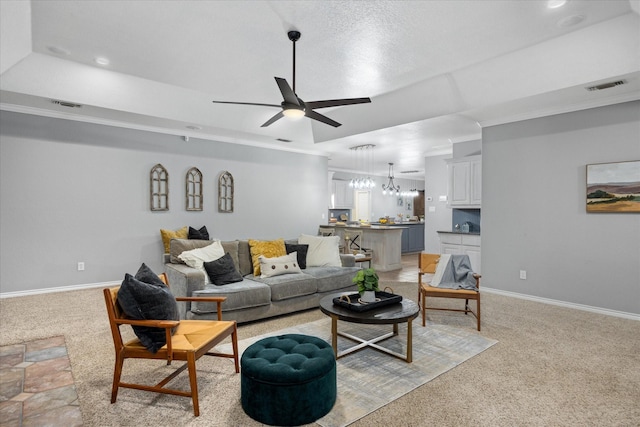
(389,314)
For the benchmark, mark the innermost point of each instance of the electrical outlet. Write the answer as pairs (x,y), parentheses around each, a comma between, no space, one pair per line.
(81,266)
(523,274)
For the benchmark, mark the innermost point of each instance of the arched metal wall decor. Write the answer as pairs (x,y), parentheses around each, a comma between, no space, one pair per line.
(225,192)
(159,188)
(194,189)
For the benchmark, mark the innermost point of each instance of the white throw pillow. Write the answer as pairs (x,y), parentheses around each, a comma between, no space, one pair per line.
(323,251)
(286,264)
(195,258)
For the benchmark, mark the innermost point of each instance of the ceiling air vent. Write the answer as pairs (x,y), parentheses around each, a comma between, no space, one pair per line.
(283,140)
(606,85)
(66,104)
(409,171)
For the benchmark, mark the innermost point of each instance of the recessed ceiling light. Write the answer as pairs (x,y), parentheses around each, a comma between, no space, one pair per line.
(58,50)
(554,4)
(570,21)
(101,60)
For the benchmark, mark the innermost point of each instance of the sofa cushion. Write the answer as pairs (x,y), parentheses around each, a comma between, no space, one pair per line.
(333,278)
(145,297)
(323,251)
(179,246)
(287,286)
(222,271)
(195,258)
(167,235)
(245,264)
(231,247)
(286,264)
(201,234)
(267,248)
(301,251)
(244,294)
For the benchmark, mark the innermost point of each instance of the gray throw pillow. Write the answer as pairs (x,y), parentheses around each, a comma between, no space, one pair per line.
(145,297)
(222,271)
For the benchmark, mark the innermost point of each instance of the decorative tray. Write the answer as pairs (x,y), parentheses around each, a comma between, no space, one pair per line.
(352,301)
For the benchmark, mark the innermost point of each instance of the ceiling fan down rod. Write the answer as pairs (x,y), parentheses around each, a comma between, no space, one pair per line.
(294,36)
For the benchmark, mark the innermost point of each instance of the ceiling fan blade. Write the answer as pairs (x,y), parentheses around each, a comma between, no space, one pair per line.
(337,102)
(287,94)
(247,103)
(278,116)
(319,117)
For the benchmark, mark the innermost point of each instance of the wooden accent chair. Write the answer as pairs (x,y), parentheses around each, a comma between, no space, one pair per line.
(427,264)
(191,340)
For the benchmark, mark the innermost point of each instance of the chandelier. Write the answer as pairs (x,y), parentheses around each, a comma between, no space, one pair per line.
(391,188)
(363,159)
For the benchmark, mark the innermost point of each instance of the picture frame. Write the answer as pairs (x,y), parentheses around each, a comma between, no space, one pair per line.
(613,187)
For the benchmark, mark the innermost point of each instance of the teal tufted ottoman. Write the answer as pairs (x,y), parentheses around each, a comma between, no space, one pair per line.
(288,380)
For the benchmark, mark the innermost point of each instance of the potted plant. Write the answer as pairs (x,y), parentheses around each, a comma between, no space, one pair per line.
(367,281)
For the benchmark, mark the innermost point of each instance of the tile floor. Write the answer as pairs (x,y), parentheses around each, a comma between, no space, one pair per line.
(36,385)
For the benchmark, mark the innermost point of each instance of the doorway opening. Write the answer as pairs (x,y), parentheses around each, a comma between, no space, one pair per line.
(363,205)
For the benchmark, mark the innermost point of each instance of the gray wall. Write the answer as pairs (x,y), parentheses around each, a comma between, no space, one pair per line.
(74,191)
(533,209)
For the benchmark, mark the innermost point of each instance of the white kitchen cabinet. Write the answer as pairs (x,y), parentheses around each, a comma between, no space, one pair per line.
(460,243)
(465,182)
(342,194)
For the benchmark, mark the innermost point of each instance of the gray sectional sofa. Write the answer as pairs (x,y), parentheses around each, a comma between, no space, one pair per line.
(254,297)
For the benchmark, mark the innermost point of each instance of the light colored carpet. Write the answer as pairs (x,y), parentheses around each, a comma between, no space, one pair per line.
(553,366)
(369,379)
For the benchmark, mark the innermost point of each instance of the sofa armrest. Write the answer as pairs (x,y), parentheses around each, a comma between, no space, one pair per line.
(183,282)
(348,260)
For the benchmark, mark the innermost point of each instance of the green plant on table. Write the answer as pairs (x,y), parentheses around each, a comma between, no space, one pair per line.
(367,280)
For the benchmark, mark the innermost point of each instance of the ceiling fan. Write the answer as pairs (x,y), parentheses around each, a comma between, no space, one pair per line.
(292,106)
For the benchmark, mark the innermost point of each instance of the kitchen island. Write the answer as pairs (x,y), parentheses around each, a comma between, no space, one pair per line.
(384,241)
(412,235)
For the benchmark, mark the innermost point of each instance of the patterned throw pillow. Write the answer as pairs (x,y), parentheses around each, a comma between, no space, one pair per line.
(269,249)
(167,235)
(145,297)
(302,253)
(287,264)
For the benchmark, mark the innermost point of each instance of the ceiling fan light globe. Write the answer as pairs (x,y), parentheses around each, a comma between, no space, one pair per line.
(293,113)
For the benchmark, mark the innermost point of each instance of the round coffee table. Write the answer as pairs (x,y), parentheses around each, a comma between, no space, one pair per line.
(393,314)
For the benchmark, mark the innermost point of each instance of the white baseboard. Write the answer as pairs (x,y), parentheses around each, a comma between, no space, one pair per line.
(57,289)
(599,310)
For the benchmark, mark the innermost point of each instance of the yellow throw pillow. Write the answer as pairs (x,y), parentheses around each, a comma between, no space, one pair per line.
(167,235)
(268,249)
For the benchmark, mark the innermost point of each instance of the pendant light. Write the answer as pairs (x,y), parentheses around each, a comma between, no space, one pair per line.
(391,188)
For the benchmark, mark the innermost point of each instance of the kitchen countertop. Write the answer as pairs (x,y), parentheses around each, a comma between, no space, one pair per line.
(404,223)
(472,233)
(366,227)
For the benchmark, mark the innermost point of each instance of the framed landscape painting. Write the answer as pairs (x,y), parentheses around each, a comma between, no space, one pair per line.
(613,187)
